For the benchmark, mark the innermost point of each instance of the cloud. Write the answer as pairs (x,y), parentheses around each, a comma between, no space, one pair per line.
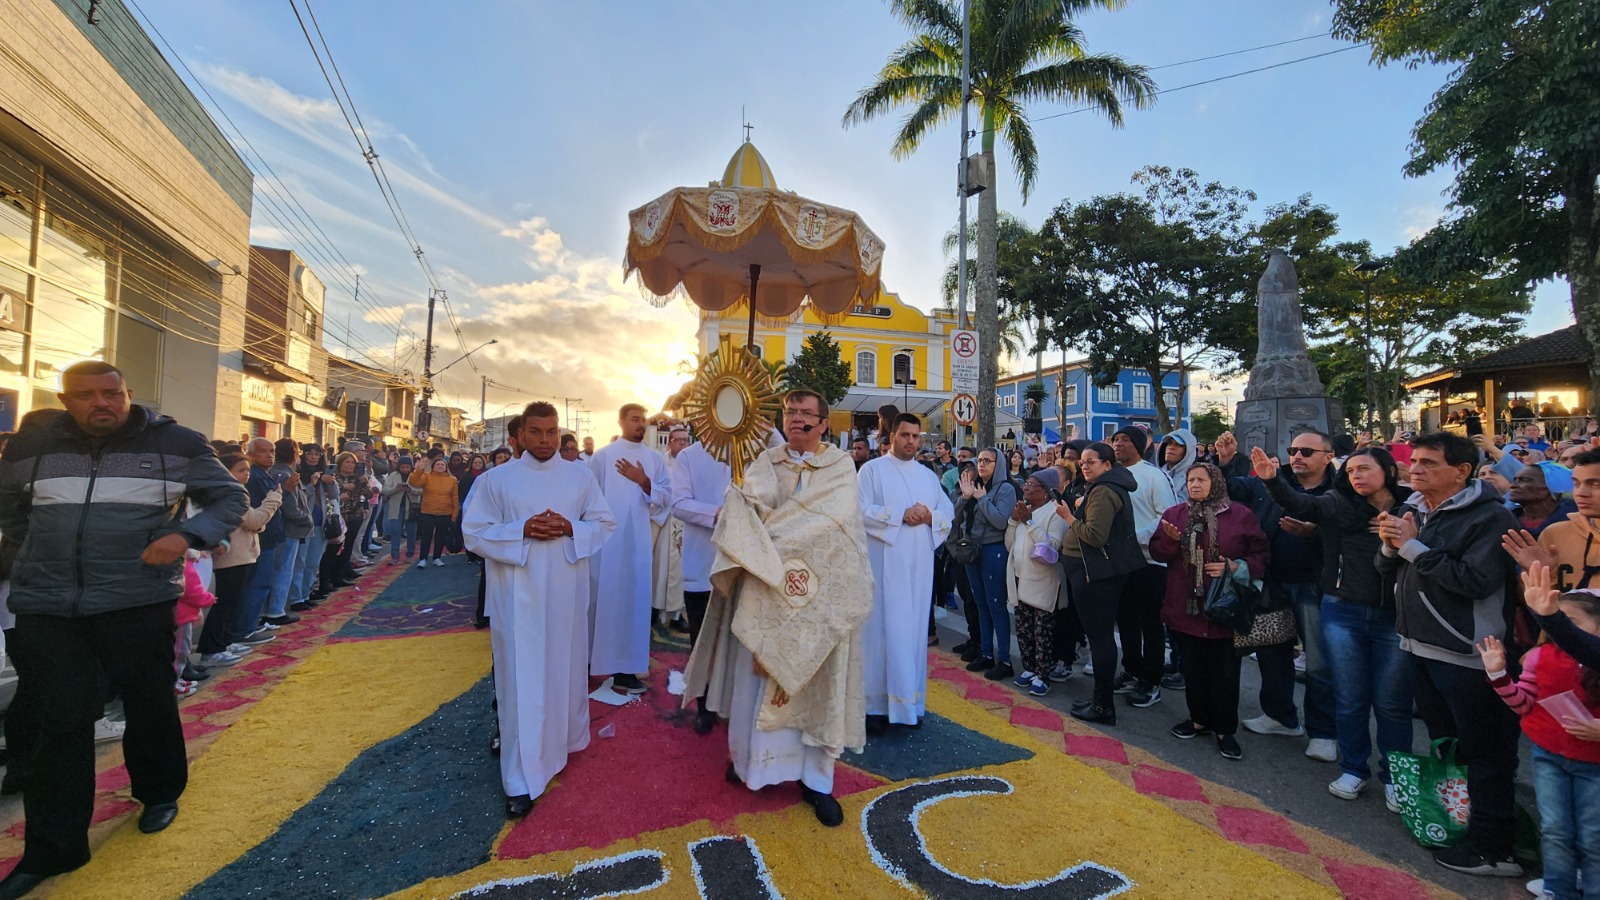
(1419,220)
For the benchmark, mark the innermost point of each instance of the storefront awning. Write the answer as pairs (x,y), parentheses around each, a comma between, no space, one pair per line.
(307,408)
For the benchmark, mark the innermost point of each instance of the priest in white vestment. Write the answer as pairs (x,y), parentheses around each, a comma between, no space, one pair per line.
(779,653)
(638,489)
(907,515)
(538,521)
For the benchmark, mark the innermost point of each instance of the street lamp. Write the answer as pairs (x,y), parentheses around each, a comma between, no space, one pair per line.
(423,423)
(1367,271)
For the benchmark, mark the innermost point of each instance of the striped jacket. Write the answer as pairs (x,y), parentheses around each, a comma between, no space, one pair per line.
(83,510)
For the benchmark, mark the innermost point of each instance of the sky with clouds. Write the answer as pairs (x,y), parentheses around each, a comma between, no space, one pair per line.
(518,134)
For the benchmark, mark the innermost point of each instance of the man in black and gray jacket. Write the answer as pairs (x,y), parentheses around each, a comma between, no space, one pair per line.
(1453,582)
(96,502)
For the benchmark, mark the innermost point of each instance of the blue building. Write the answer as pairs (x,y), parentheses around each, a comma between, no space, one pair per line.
(1090,412)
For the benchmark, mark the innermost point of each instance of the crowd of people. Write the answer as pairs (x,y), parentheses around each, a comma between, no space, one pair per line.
(1436,575)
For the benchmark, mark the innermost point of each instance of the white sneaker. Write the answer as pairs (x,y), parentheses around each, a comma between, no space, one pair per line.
(1323,750)
(1391,799)
(239,649)
(1265,724)
(225,658)
(1088,668)
(1347,786)
(1536,888)
(106,730)
(439,561)
(185,688)
(422,564)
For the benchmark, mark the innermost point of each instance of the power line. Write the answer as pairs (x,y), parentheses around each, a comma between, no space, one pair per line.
(1309,37)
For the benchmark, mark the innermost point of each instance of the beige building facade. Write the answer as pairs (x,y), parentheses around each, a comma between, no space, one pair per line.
(124,220)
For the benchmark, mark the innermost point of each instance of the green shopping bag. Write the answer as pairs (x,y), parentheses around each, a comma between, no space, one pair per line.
(1432,791)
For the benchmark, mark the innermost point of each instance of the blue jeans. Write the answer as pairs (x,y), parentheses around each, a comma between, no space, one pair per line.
(256,591)
(1370,677)
(305,576)
(988,579)
(283,576)
(396,529)
(1568,792)
(367,541)
(1277,667)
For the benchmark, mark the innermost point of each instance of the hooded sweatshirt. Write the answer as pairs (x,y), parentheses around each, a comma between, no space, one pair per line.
(1178,473)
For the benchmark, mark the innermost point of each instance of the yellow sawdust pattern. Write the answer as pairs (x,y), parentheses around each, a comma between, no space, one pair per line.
(280,755)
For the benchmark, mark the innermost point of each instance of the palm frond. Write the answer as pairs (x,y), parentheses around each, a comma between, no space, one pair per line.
(1101,82)
(941,17)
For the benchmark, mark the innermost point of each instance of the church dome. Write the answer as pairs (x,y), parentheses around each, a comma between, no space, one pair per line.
(747,168)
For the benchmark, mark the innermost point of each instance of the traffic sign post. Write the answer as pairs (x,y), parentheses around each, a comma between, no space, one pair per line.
(964,362)
(965,409)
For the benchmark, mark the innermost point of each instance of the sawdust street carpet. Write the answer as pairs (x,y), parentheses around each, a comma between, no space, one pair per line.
(349,759)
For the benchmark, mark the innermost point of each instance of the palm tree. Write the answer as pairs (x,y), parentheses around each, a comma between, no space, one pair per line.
(1023,51)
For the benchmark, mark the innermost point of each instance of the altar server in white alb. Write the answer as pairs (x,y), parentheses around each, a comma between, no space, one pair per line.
(667,581)
(538,522)
(638,489)
(907,515)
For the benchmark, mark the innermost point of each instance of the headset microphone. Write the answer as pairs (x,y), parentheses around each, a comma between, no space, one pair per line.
(807,428)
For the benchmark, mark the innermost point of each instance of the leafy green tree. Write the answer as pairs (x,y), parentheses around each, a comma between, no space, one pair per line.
(1158,281)
(1518,123)
(1022,52)
(820,367)
(1212,420)
(1015,250)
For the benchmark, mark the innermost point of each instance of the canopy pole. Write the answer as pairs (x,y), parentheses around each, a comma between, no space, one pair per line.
(755,279)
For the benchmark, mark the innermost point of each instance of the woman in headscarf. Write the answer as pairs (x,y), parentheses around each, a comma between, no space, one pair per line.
(1033,578)
(1201,540)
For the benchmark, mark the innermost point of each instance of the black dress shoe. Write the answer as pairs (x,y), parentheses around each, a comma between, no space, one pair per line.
(300,606)
(828,811)
(971,653)
(157,816)
(704,721)
(961,648)
(731,775)
(480,622)
(980,664)
(877,725)
(18,884)
(1096,715)
(518,806)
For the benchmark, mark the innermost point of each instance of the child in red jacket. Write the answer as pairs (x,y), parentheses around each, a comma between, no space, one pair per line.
(194,599)
(1566,746)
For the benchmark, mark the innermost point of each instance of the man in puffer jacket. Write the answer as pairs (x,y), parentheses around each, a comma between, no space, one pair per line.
(96,500)
(1452,581)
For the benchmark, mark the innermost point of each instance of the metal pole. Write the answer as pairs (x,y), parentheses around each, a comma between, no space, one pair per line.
(483,407)
(961,187)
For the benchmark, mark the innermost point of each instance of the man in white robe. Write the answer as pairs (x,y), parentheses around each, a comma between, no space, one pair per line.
(638,489)
(667,584)
(907,516)
(537,522)
(699,484)
(779,653)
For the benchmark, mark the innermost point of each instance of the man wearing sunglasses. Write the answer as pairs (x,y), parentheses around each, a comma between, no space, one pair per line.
(1297,577)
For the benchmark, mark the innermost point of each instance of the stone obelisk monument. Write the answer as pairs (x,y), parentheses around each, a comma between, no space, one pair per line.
(1285,396)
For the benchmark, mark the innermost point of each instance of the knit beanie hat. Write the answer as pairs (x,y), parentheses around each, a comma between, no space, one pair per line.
(1136,435)
(1050,478)
(404,461)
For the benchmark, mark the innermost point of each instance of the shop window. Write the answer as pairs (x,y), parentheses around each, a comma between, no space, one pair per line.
(139,357)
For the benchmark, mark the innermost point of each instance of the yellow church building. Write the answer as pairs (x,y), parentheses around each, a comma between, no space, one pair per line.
(897,353)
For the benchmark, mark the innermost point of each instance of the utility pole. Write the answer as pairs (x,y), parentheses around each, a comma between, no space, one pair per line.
(961,179)
(427,370)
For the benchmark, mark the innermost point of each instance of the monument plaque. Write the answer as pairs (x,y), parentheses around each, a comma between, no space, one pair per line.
(1285,395)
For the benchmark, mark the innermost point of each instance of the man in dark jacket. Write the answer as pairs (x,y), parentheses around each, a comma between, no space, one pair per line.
(1451,591)
(1294,579)
(96,500)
